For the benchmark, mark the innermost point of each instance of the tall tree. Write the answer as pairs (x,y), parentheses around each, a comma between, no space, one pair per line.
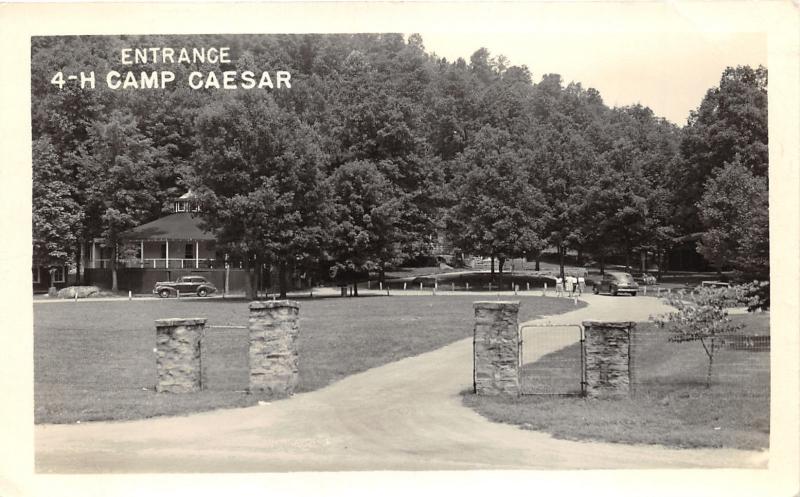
(734,215)
(497,212)
(56,215)
(117,164)
(731,121)
(366,236)
(259,175)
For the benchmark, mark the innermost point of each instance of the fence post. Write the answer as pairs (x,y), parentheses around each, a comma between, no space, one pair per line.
(274,328)
(544,289)
(179,366)
(452,287)
(496,345)
(420,286)
(608,358)
(528,286)
(404,285)
(468,286)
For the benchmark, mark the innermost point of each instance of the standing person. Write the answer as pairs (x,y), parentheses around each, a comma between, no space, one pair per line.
(581,284)
(571,282)
(559,286)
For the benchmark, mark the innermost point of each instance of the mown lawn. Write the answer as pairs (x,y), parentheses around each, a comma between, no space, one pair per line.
(671,404)
(95,360)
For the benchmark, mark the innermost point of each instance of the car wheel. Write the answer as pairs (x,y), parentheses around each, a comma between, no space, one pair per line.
(596,290)
(633,294)
(163,293)
(202,292)
(614,292)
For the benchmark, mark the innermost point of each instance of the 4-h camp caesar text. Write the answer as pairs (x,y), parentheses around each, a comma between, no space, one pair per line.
(127,78)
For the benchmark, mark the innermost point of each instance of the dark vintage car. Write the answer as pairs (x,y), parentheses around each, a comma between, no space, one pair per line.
(186,285)
(615,283)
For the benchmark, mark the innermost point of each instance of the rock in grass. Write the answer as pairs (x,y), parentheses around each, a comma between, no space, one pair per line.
(82,292)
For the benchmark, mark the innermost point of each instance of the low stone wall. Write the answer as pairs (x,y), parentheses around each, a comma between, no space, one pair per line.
(179,366)
(273,355)
(496,348)
(607,365)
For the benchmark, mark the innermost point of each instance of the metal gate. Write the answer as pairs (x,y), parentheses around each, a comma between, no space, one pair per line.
(552,358)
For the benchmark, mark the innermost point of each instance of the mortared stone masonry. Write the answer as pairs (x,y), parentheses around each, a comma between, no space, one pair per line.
(273,356)
(608,347)
(496,348)
(179,365)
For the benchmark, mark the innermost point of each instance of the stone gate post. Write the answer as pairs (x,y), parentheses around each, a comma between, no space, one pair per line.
(179,366)
(273,355)
(496,348)
(608,354)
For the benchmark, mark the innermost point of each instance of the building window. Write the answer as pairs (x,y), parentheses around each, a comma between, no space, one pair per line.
(37,274)
(195,207)
(58,274)
(180,206)
(188,253)
(163,250)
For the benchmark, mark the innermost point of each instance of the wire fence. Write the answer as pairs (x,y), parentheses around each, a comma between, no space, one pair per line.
(551,360)
(739,365)
(225,357)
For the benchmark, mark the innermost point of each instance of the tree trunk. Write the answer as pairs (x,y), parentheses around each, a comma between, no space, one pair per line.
(627,258)
(249,289)
(561,253)
(78,265)
(710,365)
(114,286)
(580,256)
(659,261)
(492,270)
(355,284)
(258,285)
(500,262)
(538,258)
(382,273)
(282,279)
(602,263)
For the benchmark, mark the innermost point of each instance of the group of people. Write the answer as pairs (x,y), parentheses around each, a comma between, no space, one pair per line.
(570,283)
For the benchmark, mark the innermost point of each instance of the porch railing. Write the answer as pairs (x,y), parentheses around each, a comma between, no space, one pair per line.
(159,263)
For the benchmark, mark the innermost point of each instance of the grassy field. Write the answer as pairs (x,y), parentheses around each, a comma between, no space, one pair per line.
(95,360)
(671,405)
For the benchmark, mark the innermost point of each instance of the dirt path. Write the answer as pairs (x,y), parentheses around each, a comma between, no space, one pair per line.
(405,415)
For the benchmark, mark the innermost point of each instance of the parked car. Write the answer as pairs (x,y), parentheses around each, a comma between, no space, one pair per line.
(715,284)
(186,285)
(615,283)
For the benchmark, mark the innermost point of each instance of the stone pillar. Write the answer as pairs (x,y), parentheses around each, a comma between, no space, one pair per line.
(273,354)
(496,348)
(178,354)
(608,346)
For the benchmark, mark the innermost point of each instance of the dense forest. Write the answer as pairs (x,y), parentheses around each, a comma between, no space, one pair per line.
(379,147)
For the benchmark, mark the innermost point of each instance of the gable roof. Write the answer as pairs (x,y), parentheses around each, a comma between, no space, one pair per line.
(177,226)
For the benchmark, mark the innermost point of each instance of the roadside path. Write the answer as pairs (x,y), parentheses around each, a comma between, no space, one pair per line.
(406,415)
